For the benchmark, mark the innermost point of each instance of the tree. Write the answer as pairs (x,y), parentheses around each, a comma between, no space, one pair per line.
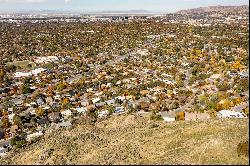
(246,111)
(1,113)
(17,121)
(25,88)
(180,116)
(2,74)
(237,65)
(61,86)
(18,140)
(40,112)
(242,86)
(5,121)
(65,102)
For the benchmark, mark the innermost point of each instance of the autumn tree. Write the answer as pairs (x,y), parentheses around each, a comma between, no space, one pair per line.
(40,112)
(5,120)
(65,102)
(2,74)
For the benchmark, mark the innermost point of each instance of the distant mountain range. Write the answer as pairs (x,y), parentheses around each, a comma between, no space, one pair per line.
(128,11)
(219,9)
(83,12)
(210,9)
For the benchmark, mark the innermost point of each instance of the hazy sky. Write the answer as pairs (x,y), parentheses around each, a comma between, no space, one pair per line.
(112,5)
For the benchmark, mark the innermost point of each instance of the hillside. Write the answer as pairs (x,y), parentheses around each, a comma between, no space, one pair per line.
(130,139)
(217,9)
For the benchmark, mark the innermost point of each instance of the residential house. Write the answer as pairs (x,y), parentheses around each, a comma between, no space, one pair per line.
(230,114)
(4,147)
(101,104)
(110,102)
(103,113)
(168,116)
(11,116)
(81,110)
(54,117)
(34,135)
(40,101)
(66,113)
(42,121)
(119,110)
(192,116)
(64,124)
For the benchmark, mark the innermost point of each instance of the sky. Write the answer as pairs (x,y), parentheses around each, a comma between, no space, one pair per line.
(112,5)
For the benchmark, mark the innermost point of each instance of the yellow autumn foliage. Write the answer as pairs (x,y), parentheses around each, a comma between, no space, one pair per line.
(236,65)
(40,112)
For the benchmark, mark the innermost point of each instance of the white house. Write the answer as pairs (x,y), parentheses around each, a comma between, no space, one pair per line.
(102,113)
(81,110)
(95,100)
(34,135)
(66,113)
(230,114)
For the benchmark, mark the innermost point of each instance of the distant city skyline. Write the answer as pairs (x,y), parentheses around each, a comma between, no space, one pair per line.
(112,5)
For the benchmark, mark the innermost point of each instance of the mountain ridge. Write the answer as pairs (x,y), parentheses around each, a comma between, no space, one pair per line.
(218,8)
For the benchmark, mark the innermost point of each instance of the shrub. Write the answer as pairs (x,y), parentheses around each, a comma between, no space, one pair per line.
(243,148)
(154,125)
(131,110)
(92,115)
(155,117)
(18,141)
(223,87)
(174,105)
(111,109)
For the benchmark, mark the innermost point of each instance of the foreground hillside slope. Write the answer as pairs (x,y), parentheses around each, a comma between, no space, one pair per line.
(131,139)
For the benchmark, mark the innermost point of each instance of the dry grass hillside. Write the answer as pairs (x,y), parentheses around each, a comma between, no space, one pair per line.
(130,139)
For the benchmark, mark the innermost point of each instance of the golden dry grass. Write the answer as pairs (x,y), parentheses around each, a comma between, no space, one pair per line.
(130,139)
